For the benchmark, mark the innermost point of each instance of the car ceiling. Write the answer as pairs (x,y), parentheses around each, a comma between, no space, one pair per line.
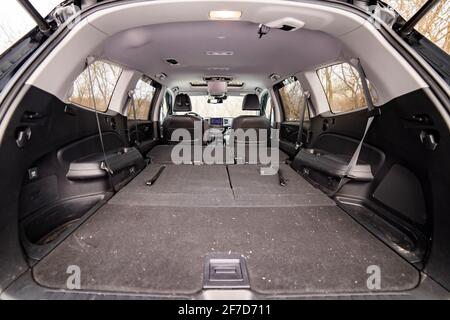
(281,52)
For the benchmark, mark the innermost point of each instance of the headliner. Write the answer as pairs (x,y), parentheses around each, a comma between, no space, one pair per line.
(281,52)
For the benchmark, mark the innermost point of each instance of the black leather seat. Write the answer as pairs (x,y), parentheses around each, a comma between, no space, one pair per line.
(247,143)
(251,103)
(187,121)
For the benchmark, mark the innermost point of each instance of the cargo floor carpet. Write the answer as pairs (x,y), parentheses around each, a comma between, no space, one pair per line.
(219,185)
(288,250)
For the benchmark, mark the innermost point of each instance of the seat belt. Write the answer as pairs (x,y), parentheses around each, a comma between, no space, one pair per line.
(104,165)
(372,113)
(301,120)
(133,105)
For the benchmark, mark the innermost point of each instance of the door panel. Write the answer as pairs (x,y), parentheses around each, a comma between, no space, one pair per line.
(410,182)
(289,134)
(44,138)
(145,139)
(141,130)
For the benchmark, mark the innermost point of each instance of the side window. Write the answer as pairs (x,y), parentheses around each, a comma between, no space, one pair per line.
(292,99)
(343,88)
(143,97)
(266,103)
(104,79)
(165,107)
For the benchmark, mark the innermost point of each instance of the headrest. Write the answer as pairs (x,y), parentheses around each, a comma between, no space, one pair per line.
(251,103)
(182,103)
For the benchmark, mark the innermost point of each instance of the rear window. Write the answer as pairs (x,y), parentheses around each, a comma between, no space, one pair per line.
(143,97)
(343,88)
(435,25)
(406,8)
(15,22)
(104,79)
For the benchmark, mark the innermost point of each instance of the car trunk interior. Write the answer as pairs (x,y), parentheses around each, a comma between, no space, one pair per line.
(100,190)
(295,239)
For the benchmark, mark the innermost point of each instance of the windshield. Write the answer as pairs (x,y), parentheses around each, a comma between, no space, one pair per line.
(230,108)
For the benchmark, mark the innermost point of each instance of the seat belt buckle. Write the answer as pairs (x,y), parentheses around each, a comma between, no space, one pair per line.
(298,145)
(105,167)
(375,112)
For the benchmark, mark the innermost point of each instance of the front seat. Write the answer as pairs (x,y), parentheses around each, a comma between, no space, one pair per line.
(187,121)
(251,103)
(246,142)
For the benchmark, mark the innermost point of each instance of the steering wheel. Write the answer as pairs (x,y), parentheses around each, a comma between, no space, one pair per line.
(195,114)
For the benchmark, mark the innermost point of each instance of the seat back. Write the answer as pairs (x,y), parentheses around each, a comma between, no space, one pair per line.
(174,121)
(251,103)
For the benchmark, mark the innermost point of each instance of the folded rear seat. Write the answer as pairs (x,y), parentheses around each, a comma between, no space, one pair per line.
(250,156)
(334,165)
(161,154)
(331,155)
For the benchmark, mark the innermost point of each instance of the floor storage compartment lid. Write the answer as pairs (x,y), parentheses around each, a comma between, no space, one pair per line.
(225,271)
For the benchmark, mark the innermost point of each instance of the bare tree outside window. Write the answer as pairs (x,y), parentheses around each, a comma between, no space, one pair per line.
(143,96)
(104,79)
(293,100)
(343,87)
(15,22)
(435,25)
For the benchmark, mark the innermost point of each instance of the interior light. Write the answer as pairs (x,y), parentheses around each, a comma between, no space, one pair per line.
(224,15)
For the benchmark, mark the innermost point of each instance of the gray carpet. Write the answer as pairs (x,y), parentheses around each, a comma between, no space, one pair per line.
(295,250)
(162,154)
(249,186)
(212,185)
(179,185)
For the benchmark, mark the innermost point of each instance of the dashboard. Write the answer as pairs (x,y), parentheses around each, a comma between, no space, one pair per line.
(220,122)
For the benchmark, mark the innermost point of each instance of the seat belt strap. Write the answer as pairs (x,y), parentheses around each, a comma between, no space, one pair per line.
(104,165)
(301,120)
(354,160)
(365,86)
(371,116)
(133,105)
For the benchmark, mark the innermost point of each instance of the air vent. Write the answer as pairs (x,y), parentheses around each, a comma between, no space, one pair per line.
(217,78)
(219,69)
(171,61)
(219,53)
(235,84)
(198,84)
(204,84)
